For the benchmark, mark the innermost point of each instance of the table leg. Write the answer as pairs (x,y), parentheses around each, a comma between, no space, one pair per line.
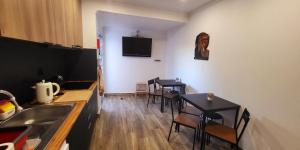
(202,147)
(162,100)
(236,116)
(179,105)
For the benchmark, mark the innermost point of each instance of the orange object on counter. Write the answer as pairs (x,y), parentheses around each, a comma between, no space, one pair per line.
(5,106)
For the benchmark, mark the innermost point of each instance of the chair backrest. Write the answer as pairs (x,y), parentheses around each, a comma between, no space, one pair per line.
(245,117)
(156,84)
(172,110)
(151,82)
(182,90)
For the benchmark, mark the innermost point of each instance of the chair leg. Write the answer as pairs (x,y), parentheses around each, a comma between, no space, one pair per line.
(194,139)
(177,127)
(198,133)
(148,100)
(199,130)
(153,101)
(236,147)
(207,139)
(170,131)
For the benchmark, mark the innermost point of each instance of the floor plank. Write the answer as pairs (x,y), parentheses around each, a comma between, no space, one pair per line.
(126,123)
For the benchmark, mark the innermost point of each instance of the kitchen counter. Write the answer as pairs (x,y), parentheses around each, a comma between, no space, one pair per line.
(80,99)
(76,95)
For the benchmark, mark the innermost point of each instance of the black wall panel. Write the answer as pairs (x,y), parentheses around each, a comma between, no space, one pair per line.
(23,63)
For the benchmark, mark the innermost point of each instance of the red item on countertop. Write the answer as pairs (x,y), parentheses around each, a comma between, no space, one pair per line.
(16,135)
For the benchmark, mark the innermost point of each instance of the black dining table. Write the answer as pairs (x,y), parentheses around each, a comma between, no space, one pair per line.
(217,104)
(167,83)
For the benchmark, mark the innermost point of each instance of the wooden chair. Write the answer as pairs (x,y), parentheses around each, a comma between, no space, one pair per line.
(196,112)
(141,88)
(152,90)
(159,88)
(186,120)
(228,134)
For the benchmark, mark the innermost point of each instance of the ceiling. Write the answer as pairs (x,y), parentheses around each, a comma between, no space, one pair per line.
(184,6)
(109,19)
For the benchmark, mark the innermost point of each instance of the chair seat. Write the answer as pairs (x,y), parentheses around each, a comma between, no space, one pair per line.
(170,95)
(166,90)
(158,92)
(191,110)
(187,120)
(222,132)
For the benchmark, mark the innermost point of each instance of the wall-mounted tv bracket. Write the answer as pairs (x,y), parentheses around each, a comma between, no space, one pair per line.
(137,34)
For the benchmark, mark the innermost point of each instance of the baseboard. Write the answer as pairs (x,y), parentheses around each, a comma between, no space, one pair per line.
(119,94)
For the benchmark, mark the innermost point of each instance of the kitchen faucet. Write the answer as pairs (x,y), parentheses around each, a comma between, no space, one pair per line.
(13,99)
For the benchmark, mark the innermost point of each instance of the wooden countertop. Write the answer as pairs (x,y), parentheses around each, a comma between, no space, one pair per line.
(79,98)
(76,95)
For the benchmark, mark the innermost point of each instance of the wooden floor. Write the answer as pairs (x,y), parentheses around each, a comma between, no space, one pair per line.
(126,123)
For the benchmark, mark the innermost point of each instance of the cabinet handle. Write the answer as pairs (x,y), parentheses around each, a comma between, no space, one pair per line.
(90,125)
(89,117)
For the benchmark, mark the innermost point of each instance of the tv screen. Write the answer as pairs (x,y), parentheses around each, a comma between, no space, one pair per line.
(139,47)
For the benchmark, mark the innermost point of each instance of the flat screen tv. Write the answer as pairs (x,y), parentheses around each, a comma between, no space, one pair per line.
(137,46)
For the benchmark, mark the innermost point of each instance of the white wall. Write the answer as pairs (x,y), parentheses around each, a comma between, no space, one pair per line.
(122,73)
(90,8)
(254,61)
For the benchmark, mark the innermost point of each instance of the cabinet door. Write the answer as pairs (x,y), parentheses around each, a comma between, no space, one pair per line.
(59,20)
(28,20)
(77,30)
(81,133)
(93,109)
(11,21)
(54,21)
(73,23)
(2,15)
(78,136)
(35,18)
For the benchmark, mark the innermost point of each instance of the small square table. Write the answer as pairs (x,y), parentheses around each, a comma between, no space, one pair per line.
(216,104)
(167,83)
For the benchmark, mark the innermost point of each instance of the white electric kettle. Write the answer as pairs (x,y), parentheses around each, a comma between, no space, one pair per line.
(44,91)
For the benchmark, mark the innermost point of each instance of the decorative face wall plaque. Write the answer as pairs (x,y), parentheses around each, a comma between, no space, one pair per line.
(201,44)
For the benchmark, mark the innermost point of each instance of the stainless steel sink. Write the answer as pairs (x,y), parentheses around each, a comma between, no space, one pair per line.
(39,115)
(44,120)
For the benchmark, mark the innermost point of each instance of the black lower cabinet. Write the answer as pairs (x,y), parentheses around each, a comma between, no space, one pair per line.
(81,133)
